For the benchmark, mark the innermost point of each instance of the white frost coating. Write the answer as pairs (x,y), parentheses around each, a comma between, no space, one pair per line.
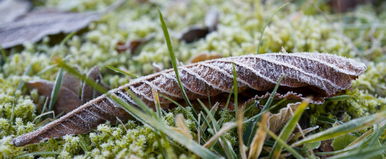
(241,82)
(318,75)
(160,90)
(310,81)
(183,84)
(188,70)
(99,108)
(97,116)
(126,97)
(140,93)
(249,68)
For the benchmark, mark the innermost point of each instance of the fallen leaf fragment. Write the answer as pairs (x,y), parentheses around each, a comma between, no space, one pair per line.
(194,34)
(198,32)
(278,120)
(134,45)
(204,57)
(12,9)
(89,92)
(35,25)
(72,83)
(67,100)
(346,5)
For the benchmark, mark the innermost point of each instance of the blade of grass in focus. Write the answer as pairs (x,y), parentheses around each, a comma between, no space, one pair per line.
(173,57)
(122,71)
(55,90)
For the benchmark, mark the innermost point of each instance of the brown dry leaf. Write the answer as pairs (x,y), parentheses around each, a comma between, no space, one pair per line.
(194,34)
(88,92)
(72,83)
(346,5)
(204,57)
(305,74)
(278,120)
(67,100)
(198,32)
(134,45)
(12,9)
(37,24)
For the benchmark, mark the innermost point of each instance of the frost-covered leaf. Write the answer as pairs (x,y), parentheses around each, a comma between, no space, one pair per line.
(305,74)
(37,24)
(12,9)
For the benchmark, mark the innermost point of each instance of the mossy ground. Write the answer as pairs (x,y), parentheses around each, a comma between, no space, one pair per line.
(245,26)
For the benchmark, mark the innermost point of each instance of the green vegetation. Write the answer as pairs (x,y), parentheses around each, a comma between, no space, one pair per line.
(350,125)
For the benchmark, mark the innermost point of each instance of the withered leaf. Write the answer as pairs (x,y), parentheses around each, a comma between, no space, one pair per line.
(72,83)
(198,32)
(12,9)
(67,99)
(305,74)
(134,45)
(204,57)
(194,34)
(278,120)
(88,92)
(37,24)
(346,5)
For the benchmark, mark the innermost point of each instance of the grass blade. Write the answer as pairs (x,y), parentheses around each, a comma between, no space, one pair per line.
(283,144)
(289,128)
(37,153)
(173,57)
(228,149)
(225,128)
(239,114)
(260,42)
(258,140)
(345,128)
(160,126)
(252,125)
(55,90)
(367,152)
(122,71)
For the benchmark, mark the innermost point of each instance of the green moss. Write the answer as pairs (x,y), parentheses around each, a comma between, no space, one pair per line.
(295,28)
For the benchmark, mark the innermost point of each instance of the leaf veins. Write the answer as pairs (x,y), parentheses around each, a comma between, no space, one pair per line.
(305,74)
